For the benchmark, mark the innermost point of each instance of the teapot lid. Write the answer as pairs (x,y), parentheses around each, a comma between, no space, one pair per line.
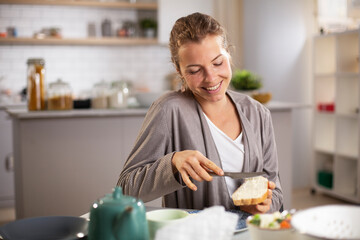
(117,197)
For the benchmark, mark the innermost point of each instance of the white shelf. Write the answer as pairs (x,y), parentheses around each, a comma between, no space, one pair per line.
(339,195)
(86,3)
(325,132)
(107,41)
(101,41)
(336,134)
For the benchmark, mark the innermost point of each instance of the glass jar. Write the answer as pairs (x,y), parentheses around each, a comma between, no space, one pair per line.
(36,84)
(100,95)
(60,96)
(120,91)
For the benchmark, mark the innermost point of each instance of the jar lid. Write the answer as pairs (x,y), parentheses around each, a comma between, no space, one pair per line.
(39,61)
(102,84)
(59,83)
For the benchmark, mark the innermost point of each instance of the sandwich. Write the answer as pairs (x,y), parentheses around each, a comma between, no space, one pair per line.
(253,191)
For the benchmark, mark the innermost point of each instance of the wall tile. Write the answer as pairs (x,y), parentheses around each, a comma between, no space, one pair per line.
(81,66)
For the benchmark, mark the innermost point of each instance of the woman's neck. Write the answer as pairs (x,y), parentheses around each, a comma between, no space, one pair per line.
(211,109)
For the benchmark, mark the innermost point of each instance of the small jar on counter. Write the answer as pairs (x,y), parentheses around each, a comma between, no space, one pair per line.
(120,91)
(60,96)
(100,95)
(36,84)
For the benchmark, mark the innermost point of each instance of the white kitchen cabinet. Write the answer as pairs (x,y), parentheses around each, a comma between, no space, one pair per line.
(66,160)
(336,132)
(7,194)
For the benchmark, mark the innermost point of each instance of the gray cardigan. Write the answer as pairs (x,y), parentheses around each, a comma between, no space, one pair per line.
(175,123)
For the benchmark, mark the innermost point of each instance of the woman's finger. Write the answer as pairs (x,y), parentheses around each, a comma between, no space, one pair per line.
(271,185)
(193,173)
(269,194)
(264,206)
(202,172)
(187,180)
(210,165)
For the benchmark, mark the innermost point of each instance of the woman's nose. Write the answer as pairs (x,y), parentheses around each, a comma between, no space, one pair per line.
(210,74)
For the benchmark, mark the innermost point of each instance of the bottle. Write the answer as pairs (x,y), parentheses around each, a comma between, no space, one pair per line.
(36,84)
(106,28)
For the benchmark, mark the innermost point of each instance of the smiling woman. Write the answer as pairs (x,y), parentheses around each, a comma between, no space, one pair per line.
(202,129)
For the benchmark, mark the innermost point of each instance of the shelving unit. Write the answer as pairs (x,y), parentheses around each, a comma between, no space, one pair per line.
(87,3)
(108,41)
(336,133)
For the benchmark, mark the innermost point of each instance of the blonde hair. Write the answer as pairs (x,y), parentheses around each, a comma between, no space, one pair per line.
(194,28)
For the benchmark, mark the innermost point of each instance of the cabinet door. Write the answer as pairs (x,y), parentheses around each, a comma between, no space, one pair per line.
(6,174)
(170,10)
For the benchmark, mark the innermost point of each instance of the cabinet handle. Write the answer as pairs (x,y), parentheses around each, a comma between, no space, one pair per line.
(9,163)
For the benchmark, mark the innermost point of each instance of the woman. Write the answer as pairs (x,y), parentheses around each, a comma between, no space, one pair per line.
(203,128)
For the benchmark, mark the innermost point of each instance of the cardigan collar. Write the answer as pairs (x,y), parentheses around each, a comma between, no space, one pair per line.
(251,151)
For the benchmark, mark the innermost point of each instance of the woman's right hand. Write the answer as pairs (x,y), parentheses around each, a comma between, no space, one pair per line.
(191,163)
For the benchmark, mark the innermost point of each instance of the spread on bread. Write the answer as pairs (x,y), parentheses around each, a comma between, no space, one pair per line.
(252,191)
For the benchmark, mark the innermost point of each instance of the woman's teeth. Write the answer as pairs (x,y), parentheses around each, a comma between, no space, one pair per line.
(214,87)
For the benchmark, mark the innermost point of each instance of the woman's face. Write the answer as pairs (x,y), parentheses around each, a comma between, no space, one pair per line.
(205,67)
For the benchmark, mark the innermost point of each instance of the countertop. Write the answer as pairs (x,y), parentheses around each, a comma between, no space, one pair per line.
(23,113)
(5,106)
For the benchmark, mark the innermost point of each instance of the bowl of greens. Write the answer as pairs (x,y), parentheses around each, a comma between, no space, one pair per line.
(271,226)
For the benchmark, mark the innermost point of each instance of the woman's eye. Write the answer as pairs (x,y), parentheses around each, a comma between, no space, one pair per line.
(192,72)
(218,63)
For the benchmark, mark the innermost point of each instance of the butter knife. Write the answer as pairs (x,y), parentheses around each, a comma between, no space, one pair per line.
(238,175)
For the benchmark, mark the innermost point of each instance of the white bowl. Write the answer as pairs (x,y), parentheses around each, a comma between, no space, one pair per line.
(258,233)
(328,222)
(145,99)
(159,218)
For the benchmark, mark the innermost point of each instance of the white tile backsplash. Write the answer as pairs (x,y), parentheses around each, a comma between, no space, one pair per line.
(81,66)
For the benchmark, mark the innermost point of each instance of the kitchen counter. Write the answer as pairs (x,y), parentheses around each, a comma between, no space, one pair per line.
(82,113)
(23,113)
(5,106)
(72,158)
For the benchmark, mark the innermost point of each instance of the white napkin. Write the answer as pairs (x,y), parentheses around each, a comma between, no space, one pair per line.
(213,223)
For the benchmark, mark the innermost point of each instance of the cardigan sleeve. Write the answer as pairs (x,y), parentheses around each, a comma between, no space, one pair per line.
(148,172)
(271,162)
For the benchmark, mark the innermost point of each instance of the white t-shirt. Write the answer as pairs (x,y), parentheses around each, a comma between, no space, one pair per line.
(231,153)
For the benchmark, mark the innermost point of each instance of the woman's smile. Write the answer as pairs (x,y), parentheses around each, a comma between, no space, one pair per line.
(214,89)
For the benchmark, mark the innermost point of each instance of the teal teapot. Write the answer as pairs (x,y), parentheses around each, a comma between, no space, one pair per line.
(117,216)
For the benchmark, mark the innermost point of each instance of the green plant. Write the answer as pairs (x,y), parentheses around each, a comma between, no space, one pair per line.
(147,23)
(245,80)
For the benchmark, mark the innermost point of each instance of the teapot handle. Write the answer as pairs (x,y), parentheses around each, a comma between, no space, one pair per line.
(118,220)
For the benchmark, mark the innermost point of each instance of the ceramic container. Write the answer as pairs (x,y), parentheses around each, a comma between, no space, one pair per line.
(145,99)
(117,216)
(159,218)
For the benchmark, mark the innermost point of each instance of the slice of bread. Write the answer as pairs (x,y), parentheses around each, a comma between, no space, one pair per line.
(252,191)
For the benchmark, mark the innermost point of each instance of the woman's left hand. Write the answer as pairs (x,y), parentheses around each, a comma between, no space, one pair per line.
(261,207)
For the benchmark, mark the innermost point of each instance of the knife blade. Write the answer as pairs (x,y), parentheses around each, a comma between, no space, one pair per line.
(238,175)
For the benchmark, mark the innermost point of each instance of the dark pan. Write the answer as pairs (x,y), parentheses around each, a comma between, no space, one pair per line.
(45,228)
